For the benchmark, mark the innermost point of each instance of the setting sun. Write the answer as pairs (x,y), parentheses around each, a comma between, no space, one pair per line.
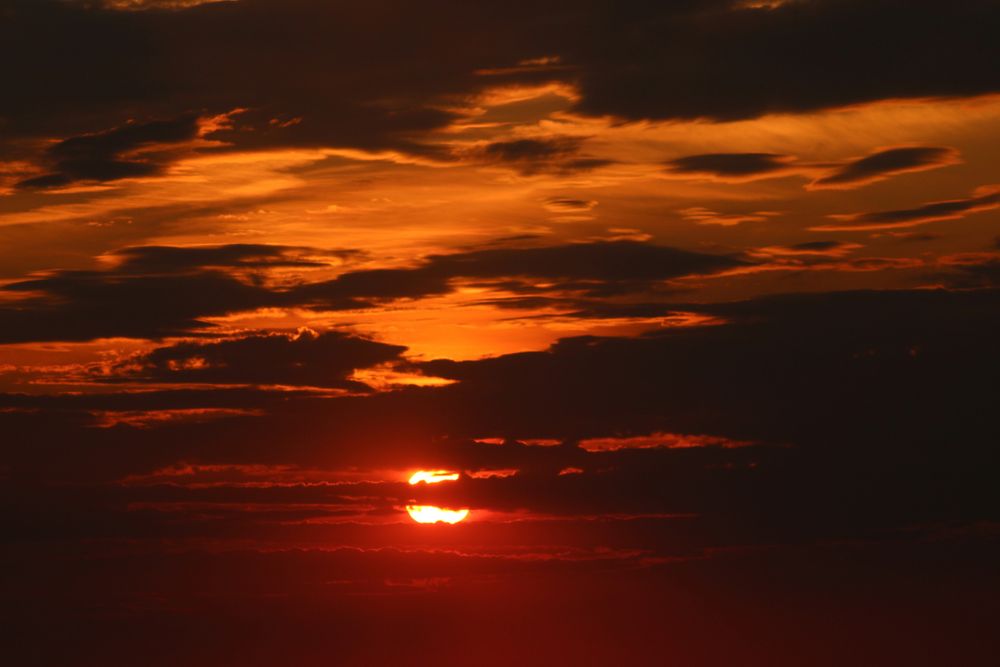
(431,514)
(433,476)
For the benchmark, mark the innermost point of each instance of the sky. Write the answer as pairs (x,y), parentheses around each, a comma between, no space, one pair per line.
(608,332)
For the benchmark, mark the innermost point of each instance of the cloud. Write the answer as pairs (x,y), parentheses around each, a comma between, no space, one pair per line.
(970,270)
(631,61)
(569,205)
(152,292)
(178,259)
(598,261)
(155,292)
(556,155)
(111,155)
(985,198)
(87,305)
(734,63)
(706,216)
(306,358)
(808,249)
(678,373)
(732,166)
(877,166)
(900,425)
(884,164)
(597,267)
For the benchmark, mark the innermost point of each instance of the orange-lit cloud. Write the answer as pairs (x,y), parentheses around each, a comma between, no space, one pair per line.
(704,216)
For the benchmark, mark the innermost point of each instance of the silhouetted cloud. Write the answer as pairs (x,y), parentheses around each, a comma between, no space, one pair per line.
(560,155)
(569,205)
(108,155)
(86,305)
(586,267)
(855,173)
(649,63)
(902,427)
(629,60)
(731,165)
(178,259)
(306,358)
(985,198)
(970,270)
(886,163)
(159,291)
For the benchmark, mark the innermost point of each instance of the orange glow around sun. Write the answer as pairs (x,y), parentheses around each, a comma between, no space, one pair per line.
(431,514)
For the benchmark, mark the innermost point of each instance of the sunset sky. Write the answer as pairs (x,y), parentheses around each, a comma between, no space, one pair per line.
(565,332)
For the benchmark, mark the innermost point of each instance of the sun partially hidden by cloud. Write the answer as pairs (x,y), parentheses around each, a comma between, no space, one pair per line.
(431,514)
(433,476)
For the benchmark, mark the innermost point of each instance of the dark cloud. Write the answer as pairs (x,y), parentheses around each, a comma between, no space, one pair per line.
(569,204)
(107,156)
(883,164)
(630,60)
(177,259)
(850,174)
(531,149)
(262,59)
(159,291)
(986,198)
(970,271)
(781,366)
(86,305)
(607,261)
(360,288)
(150,292)
(155,292)
(305,358)
(730,165)
(589,267)
(864,418)
(727,64)
(534,156)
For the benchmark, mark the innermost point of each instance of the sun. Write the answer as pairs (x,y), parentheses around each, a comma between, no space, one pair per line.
(433,476)
(431,513)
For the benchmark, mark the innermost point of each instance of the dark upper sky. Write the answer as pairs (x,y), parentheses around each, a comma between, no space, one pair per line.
(694,304)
